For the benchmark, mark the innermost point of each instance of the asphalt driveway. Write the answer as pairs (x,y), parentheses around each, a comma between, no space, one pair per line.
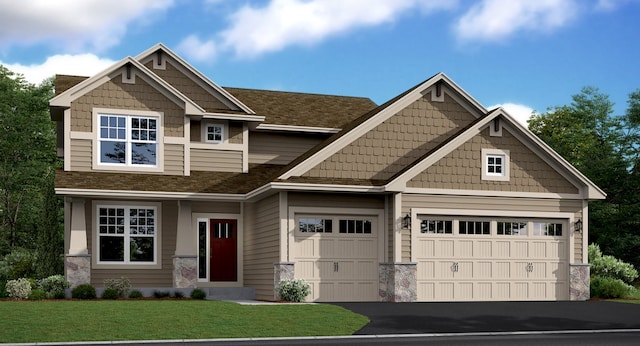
(478,317)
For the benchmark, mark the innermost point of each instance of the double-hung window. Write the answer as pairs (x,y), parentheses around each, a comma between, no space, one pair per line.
(128,140)
(214,133)
(127,234)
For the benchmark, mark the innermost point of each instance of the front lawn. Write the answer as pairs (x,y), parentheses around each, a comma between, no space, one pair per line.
(99,320)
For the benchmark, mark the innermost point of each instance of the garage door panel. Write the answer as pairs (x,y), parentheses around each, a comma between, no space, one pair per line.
(465,249)
(538,249)
(445,248)
(425,248)
(305,247)
(501,270)
(464,291)
(483,270)
(483,249)
(520,249)
(502,249)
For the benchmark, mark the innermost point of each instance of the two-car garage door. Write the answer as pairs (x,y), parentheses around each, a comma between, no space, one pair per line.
(475,259)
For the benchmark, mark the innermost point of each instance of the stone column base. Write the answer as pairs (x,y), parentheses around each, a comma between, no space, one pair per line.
(398,282)
(579,281)
(185,271)
(77,269)
(282,271)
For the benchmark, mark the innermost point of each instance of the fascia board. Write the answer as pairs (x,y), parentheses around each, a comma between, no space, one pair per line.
(237,117)
(148,194)
(292,128)
(194,71)
(399,183)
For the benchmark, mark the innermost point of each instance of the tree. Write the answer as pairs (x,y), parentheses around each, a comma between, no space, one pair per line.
(605,148)
(27,155)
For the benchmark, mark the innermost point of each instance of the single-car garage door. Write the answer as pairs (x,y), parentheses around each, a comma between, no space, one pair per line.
(337,256)
(475,258)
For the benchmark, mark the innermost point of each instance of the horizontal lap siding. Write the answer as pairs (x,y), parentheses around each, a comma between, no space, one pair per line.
(262,229)
(80,155)
(486,203)
(141,277)
(279,149)
(174,159)
(345,201)
(216,160)
(215,207)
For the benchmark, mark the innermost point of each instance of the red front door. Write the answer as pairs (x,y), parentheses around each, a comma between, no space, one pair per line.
(224,250)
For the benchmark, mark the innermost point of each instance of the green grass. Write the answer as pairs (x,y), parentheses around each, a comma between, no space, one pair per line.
(56,321)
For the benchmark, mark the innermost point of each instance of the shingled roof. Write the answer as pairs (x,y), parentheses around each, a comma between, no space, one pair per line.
(281,107)
(301,109)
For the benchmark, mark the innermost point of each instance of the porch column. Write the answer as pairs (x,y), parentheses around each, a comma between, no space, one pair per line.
(185,266)
(282,271)
(77,259)
(579,281)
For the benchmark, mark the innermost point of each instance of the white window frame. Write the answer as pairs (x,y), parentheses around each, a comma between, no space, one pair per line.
(205,131)
(157,236)
(129,115)
(506,166)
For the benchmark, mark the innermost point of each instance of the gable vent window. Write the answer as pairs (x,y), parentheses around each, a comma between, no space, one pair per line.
(495,164)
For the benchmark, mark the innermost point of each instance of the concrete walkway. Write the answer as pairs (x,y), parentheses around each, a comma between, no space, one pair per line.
(475,317)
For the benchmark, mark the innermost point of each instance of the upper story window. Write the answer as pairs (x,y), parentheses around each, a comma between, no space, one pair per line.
(214,133)
(127,140)
(495,164)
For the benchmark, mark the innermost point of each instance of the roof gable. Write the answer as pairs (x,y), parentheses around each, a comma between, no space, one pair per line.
(130,69)
(171,67)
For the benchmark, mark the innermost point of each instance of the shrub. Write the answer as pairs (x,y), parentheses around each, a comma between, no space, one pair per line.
(609,266)
(121,285)
(198,294)
(3,291)
(54,286)
(293,290)
(20,263)
(135,294)
(84,291)
(178,294)
(161,294)
(110,293)
(37,294)
(18,289)
(606,287)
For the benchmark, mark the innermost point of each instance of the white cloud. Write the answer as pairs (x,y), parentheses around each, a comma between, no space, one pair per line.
(79,65)
(197,49)
(520,112)
(494,20)
(282,23)
(76,24)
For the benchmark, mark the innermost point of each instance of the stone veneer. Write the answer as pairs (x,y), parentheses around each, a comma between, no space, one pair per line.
(78,269)
(282,271)
(579,281)
(185,271)
(398,282)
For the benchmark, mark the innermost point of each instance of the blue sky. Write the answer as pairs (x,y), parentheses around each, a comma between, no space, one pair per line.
(525,55)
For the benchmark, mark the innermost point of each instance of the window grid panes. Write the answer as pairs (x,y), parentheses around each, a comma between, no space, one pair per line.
(436,226)
(495,165)
(348,226)
(547,229)
(134,226)
(214,133)
(128,140)
(512,228)
(315,225)
(474,227)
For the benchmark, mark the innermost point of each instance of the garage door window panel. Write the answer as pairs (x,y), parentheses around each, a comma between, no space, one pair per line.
(474,227)
(512,228)
(351,226)
(315,225)
(547,229)
(435,226)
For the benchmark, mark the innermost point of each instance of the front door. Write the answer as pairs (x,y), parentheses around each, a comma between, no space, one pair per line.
(224,250)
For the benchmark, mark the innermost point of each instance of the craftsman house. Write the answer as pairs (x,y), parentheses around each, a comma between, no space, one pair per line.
(173,181)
